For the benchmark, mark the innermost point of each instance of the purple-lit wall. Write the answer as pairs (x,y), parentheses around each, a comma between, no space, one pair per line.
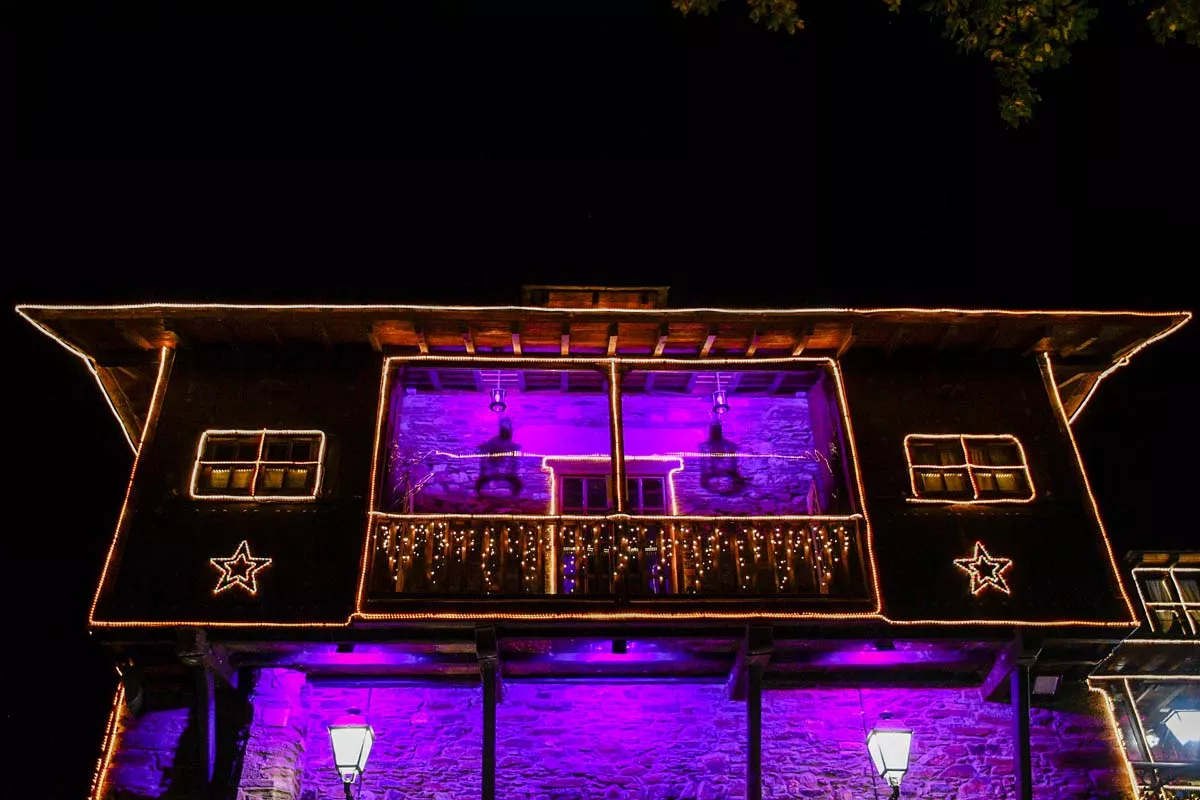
(629,741)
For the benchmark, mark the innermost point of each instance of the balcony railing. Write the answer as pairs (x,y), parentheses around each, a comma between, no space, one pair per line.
(625,558)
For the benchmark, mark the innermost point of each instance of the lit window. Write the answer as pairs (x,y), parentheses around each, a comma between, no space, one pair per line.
(259,465)
(646,495)
(967,468)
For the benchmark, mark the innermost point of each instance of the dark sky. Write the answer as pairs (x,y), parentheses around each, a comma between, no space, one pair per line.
(413,151)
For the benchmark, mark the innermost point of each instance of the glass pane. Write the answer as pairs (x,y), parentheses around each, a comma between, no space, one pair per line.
(597,494)
(653,495)
(216,477)
(1157,704)
(272,478)
(986,481)
(925,454)
(277,450)
(296,479)
(241,478)
(492,441)
(931,482)
(956,483)
(1158,590)
(1003,455)
(303,450)
(1010,482)
(951,454)
(633,497)
(1168,620)
(1190,588)
(572,494)
(221,450)
(247,450)
(1125,722)
(979,456)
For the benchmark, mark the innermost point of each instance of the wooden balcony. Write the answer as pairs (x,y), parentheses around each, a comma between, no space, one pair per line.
(618,559)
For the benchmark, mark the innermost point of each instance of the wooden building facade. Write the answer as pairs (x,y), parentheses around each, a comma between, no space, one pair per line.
(592,546)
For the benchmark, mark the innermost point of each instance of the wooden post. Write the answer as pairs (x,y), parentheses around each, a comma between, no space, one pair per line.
(1023,765)
(206,718)
(488,652)
(754,672)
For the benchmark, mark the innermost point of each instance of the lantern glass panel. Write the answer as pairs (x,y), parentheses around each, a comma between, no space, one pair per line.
(889,753)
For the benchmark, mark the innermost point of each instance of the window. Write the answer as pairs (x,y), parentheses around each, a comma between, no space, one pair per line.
(584,494)
(646,496)
(1171,597)
(259,465)
(966,468)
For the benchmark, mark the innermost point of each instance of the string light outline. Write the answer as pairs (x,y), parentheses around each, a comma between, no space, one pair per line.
(229,578)
(1182,605)
(969,467)
(1124,360)
(90,363)
(165,357)
(263,434)
(368,535)
(742,615)
(979,581)
(1052,389)
(546,467)
(1167,678)
(109,744)
(1119,736)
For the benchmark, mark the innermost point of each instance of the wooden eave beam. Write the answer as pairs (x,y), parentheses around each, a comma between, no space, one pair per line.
(1040,341)
(802,337)
(846,342)
(193,648)
(515,330)
(990,340)
(708,341)
(753,345)
(422,342)
(661,344)
(948,336)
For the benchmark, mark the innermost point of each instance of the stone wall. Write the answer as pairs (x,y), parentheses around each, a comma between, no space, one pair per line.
(631,740)
(147,760)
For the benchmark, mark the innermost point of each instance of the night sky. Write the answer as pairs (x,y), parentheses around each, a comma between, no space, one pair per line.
(408,152)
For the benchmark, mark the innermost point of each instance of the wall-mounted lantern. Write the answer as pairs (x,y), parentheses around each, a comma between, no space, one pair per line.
(889,748)
(351,738)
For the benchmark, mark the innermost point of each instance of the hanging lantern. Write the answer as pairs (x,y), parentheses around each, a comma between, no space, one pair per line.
(720,400)
(497,403)
(889,748)
(719,465)
(351,738)
(499,469)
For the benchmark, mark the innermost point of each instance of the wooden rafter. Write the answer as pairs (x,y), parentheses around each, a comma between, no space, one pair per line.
(948,336)
(468,340)
(708,341)
(661,344)
(422,342)
(515,330)
(895,339)
(131,335)
(612,339)
(990,340)
(802,337)
(847,341)
(564,340)
(753,346)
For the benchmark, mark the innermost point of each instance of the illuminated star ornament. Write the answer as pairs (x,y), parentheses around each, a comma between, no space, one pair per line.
(239,569)
(985,570)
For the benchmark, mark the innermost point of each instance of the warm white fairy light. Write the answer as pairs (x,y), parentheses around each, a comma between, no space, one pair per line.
(239,570)
(109,745)
(985,570)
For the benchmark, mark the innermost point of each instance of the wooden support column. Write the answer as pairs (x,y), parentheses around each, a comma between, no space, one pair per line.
(1022,762)
(754,675)
(208,662)
(487,650)
(616,438)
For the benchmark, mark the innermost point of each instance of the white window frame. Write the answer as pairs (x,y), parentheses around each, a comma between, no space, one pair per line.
(1151,607)
(259,463)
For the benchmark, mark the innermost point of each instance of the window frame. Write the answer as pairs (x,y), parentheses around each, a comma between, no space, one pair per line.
(965,440)
(585,477)
(255,495)
(1185,609)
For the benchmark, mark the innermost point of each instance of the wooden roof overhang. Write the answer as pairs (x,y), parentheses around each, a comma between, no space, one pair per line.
(121,343)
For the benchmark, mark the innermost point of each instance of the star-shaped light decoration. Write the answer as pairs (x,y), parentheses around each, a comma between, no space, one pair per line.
(985,570)
(239,569)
